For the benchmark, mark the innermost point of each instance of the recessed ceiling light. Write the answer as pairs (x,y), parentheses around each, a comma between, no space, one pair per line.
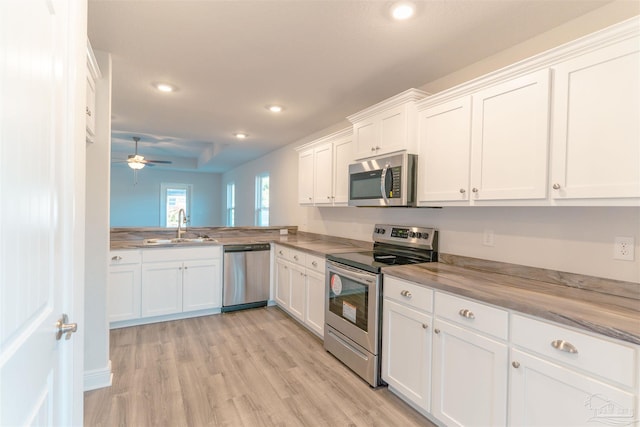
(241,135)
(165,87)
(275,108)
(402,10)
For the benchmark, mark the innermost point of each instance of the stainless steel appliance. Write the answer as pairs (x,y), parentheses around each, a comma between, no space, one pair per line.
(384,181)
(246,276)
(354,284)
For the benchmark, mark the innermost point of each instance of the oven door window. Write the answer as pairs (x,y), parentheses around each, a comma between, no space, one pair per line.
(349,299)
(365,185)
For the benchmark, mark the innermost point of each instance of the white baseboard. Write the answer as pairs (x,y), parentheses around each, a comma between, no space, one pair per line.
(98,378)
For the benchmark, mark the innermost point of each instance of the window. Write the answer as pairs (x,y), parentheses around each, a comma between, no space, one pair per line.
(173,197)
(262,199)
(231,204)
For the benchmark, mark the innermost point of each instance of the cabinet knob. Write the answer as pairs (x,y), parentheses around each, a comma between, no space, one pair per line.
(462,191)
(405,293)
(309,198)
(377,148)
(515,364)
(116,258)
(425,326)
(328,197)
(88,112)
(437,331)
(280,252)
(179,268)
(565,346)
(315,264)
(295,257)
(474,189)
(373,148)
(185,267)
(556,186)
(466,313)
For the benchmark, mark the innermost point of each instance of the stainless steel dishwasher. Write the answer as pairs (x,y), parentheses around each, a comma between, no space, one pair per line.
(246,276)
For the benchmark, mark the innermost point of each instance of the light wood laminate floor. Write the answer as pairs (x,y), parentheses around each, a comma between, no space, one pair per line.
(248,368)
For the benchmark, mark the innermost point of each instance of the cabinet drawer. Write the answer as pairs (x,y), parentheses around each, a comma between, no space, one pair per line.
(607,359)
(471,314)
(181,254)
(124,257)
(408,293)
(314,263)
(296,257)
(282,252)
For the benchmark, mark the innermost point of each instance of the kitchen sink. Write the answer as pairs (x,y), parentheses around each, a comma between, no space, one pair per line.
(152,242)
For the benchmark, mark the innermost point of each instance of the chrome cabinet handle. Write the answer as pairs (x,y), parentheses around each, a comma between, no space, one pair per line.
(425,326)
(474,189)
(406,293)
(280,252)
(315,264)
(185,267)
(556,186)
(515,364)
(295,257)
(328,197)
(373,148)
(116,258)
(437,331)
(565,346)
(88,112)
(466,313)
(462,191)
(65,328)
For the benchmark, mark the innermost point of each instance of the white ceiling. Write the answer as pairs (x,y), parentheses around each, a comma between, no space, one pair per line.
(323,60)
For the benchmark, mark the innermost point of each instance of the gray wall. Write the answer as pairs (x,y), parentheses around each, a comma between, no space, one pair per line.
(139,205)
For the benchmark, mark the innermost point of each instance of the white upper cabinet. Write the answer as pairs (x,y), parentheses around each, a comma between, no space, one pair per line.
(93,74)
(323,167)
(445,147)
(323,170)
(510,139)
(305,177)
(387,127)
(596,137)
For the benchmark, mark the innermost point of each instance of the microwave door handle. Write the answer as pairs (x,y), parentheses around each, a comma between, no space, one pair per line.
(383,184)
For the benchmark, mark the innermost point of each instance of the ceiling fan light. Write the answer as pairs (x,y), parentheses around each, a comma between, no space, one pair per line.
(240,135)
(136,165)
(165,87)
(275,108)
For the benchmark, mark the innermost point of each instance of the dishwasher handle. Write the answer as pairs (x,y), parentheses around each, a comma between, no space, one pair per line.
(251,247)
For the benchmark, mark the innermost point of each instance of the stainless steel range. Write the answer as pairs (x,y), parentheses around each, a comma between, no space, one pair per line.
(354,294)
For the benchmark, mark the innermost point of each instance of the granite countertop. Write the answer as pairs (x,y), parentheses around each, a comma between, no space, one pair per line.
(610,315)
(316,244)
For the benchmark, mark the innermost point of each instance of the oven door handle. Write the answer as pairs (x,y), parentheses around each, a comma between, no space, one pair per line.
(383,183)
(351,274)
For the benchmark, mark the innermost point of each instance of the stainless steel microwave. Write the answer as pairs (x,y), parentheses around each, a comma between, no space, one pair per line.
(384,181)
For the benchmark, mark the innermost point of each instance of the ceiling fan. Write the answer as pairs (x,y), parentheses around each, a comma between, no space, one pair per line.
(137,162)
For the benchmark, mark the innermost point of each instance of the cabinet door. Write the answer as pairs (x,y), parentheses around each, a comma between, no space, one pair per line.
(596,153)
(342,156)
(469,377)
(298,292)
(545,394)
(283,284)
(406,352)
(445,145)
(91,108)
(314,310)
(510,135)
(366,138)
(322,184)
(201,285)
(394,130)
(305,177)
(161,288)
(123,292)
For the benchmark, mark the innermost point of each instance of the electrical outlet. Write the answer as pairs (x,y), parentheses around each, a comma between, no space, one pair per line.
(487,238)
(623,248)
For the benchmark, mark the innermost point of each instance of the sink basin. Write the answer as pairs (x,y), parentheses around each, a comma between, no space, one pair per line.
(177,241)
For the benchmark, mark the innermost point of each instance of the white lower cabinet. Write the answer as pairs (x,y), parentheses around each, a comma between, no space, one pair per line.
(123,289)
(469,377)
(472,364)
(299,287)
(567,378)
(180,280)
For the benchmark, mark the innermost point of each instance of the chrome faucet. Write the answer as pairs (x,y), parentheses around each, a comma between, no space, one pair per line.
(182,219)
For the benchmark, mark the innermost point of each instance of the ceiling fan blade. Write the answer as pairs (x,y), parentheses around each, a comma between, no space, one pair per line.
(165,162)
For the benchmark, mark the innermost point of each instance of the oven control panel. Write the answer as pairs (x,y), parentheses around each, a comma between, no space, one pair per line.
(422,237)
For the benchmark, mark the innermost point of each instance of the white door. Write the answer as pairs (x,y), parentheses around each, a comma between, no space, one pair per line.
(42,136)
